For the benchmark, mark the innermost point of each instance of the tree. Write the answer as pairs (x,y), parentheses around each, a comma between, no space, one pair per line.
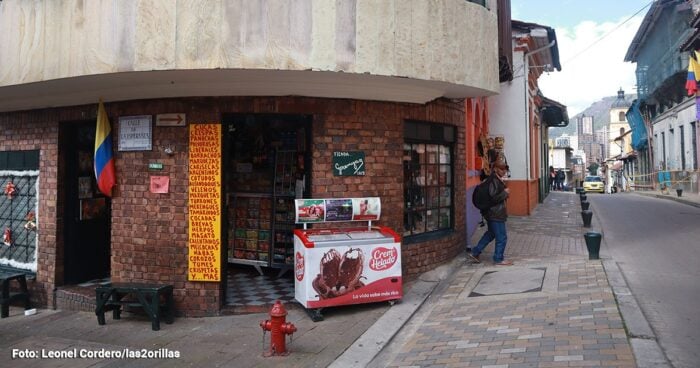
(593,169)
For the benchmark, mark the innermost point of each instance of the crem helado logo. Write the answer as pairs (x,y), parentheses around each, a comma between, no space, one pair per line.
(299,266)
(382,258)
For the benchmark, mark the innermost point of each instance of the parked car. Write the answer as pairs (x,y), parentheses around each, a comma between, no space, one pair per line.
(593,184)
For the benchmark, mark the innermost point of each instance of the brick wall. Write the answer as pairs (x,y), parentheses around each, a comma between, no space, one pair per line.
(377,129)
(149,231)
(35,131)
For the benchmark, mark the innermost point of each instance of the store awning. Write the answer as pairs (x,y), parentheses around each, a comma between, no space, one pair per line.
(553,113)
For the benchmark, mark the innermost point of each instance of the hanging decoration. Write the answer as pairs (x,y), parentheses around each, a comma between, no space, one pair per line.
(30,225)
(10,190)
(7,237)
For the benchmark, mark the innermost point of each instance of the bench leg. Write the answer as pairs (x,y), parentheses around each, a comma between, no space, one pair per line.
(155,324)
(99,308)
(170,308)
(5,294)
(152,308)
(155,309)
(101,319)
(101,299)
(25,291)
(117,308)
(117,312)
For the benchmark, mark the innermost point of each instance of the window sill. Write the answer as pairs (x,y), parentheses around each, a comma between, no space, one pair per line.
(422,238)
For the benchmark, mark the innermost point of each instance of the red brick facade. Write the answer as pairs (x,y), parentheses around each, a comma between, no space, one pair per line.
(149,231)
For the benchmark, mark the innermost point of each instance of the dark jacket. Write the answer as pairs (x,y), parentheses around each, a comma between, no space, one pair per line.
(497,191)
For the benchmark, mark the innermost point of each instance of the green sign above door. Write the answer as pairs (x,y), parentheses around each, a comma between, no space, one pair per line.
(348,163)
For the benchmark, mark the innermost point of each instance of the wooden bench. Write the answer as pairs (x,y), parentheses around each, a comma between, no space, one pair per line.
(147,296)
(7,297)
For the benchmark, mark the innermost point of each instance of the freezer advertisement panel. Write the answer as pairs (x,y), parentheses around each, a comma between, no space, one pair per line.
(341,275)
(341,209)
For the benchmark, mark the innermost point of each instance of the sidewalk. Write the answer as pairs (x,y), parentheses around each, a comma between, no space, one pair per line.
(553,308)
(689,198)
(226,341)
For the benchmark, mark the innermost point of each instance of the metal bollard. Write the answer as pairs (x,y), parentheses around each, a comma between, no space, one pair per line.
(585,205)
(679,191)
(587,215)
(583,197)
(593,244)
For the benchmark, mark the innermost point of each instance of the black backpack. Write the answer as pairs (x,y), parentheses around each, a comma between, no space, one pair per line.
(481,197)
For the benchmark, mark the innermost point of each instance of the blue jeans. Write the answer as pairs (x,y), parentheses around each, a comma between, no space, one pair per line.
(496,230)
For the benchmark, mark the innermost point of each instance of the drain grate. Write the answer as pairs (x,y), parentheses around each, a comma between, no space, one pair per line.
(511,281)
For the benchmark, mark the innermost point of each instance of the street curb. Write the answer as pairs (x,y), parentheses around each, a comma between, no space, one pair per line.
(645,346)
(371,343)
(669,198)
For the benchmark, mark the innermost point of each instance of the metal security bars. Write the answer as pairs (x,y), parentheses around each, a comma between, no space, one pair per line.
(18,219)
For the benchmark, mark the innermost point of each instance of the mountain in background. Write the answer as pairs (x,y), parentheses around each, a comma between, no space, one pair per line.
(600,111)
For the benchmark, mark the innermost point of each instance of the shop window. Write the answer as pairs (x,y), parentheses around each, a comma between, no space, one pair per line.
(18,208)
(428,178)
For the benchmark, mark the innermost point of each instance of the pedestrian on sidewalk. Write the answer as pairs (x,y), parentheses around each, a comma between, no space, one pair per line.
(560,179)
(495,216)
(552,179)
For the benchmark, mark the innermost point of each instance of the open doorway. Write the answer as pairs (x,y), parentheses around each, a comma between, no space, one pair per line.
(86,211)
(266,166)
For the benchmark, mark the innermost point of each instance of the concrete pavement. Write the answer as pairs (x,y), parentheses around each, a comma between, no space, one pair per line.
(553,308)
(571,319)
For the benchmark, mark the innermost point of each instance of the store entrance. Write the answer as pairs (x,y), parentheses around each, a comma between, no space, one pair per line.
(86,211)
(266,161)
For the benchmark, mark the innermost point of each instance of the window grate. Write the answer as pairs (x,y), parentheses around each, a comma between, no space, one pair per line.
(18,215)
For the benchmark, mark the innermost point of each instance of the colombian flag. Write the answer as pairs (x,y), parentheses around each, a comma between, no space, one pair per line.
(104,162)
(693,74)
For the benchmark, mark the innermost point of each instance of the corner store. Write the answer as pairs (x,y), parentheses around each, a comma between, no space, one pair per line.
(149,231)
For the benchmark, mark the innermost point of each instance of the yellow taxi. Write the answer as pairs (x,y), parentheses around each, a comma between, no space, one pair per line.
(593,184)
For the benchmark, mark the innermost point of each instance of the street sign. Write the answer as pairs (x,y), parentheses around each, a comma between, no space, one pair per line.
(135,133)
(177,119)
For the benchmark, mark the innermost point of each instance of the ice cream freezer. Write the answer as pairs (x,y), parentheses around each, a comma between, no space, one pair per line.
(342,266)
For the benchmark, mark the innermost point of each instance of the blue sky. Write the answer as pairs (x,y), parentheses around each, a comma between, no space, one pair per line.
(593,37)
(567,13)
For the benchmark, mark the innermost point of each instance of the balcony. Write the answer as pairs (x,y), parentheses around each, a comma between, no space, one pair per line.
(661,67)
(654,76)
(64,53)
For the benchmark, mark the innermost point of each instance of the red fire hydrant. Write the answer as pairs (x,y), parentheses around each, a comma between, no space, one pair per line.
(278,328)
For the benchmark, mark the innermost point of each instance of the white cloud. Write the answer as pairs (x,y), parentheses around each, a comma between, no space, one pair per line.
(597,72)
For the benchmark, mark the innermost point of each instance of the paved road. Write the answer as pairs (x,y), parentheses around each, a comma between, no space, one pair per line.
(655,243)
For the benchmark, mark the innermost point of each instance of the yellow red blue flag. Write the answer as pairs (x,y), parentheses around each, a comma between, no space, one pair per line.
(691,84)
(104,161)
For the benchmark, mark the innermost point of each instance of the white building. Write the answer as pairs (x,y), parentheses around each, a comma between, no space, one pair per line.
(618,123)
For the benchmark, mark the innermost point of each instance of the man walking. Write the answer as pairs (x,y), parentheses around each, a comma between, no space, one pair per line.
(496,216)
(560,179)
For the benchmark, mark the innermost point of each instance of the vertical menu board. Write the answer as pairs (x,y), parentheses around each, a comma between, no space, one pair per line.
(204,257)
